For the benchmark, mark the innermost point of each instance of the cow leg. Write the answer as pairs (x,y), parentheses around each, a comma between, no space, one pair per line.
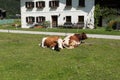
(43,41)
(60,41)
(53,48)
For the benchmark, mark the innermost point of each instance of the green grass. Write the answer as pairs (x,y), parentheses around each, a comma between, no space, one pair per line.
(22,59)
(66,30)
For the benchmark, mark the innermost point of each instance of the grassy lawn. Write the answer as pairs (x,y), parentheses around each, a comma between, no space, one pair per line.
(89,31)
(22,59)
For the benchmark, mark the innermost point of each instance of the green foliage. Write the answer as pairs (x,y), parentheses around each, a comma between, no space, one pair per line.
(46,24)
(17,21)
(112,24)
(107,12)
(97,14)
(11,6)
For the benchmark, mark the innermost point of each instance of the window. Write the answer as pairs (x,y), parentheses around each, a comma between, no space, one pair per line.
(30,20)
(81,3)
(0,11)
(40,19)
(68,18)
(40,4)
(29,5)
(80,18)
(54,4)
(80,23)
(2,14)
(68,2)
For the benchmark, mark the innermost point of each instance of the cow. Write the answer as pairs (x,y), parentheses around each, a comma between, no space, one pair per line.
(53,42)
(73,40)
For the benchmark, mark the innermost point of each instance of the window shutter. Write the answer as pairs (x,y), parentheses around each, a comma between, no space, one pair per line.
(27,19)
(44,4)
(68,2)
(26,4)
(57,3)
(37,19)
(50,4)
(37,4)
(33,19)
(32,4)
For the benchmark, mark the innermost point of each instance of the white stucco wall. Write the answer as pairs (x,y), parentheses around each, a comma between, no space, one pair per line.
(61,11)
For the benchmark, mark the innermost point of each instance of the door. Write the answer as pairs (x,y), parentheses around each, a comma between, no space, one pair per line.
(54,21)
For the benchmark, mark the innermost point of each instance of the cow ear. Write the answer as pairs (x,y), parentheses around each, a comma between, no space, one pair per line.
(84,36)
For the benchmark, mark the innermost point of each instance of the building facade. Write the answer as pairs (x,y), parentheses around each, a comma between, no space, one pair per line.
(57,12)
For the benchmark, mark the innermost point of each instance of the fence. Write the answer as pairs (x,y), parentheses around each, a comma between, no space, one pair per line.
(6,21)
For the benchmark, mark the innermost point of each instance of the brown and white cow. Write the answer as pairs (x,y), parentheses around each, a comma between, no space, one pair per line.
(53,42)
(73,40)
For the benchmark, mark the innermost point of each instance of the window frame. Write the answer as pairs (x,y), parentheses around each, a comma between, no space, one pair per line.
(40,19)
(68,19)
(54,4)
(81,3)
(30,19)
(68,3)
(41,4)
(81,19)
(29,5)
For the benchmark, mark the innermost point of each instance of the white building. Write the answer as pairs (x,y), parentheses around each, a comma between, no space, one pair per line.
(57,12)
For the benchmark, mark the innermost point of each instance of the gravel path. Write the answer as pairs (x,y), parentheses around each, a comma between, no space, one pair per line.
(60,34)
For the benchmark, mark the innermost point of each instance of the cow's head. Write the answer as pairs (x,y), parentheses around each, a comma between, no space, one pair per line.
(83,36)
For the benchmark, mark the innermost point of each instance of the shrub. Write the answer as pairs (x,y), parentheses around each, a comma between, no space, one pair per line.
(46,24)
(108,28)
(97,14)
(111,25)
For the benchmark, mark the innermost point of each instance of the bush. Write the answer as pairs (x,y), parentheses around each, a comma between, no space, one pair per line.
(112,25)
(46,24)
(108,28)
(97,14)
